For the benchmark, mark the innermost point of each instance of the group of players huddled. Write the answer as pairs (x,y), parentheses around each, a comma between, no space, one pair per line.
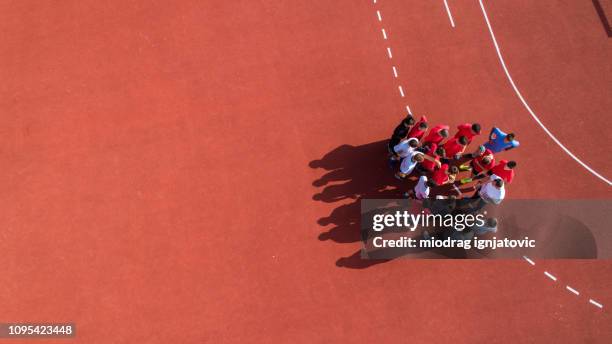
(437,159)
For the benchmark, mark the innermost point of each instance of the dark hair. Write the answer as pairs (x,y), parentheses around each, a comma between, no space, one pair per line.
(511,164)
(476,128)
(413,143)
(440,151)
(491,222)
(418,156)
(454,170)
(498,183)
(510,137)
(423,125)
(430,183)
(463,140)
(409,120)
(486,160)
(444,133)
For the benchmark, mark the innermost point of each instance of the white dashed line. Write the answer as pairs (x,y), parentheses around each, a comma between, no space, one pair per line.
(533,115)
(394,71)
(401,91)
(389,52)
(596,303)
(450,16)
(572,290)
(550,276)
(379,16)
(529,260)
(384,33)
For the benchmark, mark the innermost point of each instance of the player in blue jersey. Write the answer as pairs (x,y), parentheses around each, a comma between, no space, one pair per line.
(500,141)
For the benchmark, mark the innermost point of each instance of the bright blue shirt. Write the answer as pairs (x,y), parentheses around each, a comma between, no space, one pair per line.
(499,144)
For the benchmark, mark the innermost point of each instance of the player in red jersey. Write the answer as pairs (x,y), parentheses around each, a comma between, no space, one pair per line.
(436,135)
(419,129)
(432,159)
(468,130)
(455,147)
(479,165)
(445,174)
(504,169)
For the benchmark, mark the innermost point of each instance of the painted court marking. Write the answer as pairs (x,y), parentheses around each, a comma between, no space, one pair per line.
(390,55)
(450,15)
(533,115)
(572,290)
(550,276)
(567,287)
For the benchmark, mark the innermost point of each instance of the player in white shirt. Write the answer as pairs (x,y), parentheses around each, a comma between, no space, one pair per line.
(405,147)
(421,190)
(409,163)
(493,191)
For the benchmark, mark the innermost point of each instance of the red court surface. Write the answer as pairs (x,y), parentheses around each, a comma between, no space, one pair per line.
(190,171)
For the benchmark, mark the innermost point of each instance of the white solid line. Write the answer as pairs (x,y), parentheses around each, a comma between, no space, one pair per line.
(379,16)
(384,33)
(529,260)
(401,91)
(596,303)
(394,71)
(374,1)
(501,59)
(450,16)
(572,290)
(408,108)
(389,52)
(550,276)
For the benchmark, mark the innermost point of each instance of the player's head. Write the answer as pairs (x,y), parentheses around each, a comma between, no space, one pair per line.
(430,183)
(418,158)
(476,128)
(511,164)
(440,151)
(444,133)
(453,170)
(486,160)
(491,222)
(463,141)
(498,183)
(423,125)
(414,143)
(510,137)
(408,121)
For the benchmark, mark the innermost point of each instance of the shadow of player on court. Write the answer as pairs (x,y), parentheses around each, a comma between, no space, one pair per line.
(354,173)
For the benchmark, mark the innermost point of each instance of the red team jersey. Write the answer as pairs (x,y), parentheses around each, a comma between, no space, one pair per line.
(415,131)
(479,166)
(453,147)
(440,176)
(430,165)
(500,170)
(465,129)
(434,134)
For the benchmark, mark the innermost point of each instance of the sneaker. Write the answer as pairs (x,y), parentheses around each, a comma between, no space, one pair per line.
(465,180)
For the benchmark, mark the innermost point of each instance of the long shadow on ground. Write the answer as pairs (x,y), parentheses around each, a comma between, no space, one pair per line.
(354,173)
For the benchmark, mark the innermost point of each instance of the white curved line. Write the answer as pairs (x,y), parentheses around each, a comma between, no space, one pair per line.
(501,59)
